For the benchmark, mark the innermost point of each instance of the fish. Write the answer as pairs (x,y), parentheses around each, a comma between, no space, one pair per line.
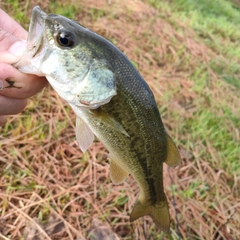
(111,100)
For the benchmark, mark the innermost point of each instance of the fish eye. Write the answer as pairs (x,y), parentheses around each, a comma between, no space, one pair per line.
(65,38)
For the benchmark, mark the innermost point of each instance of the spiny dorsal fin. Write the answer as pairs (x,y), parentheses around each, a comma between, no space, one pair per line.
(84,134)
(173,156)
(117,173)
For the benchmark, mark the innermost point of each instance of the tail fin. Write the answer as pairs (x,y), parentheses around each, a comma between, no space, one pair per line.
(158,212)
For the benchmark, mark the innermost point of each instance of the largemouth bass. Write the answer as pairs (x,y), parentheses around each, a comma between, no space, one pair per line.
(111,100)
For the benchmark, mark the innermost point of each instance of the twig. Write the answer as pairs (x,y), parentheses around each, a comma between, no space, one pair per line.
(175,205)
(31,220)
(4,238)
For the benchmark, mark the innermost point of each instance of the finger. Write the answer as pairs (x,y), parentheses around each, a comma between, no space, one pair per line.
(11,26)
(3,120)
(11,105)
(11,48)
(19,85)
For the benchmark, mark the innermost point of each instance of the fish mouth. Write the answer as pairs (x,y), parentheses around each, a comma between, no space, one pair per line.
(36,30)
(35,42)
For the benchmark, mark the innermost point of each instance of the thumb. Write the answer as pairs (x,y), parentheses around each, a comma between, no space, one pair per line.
(11,48)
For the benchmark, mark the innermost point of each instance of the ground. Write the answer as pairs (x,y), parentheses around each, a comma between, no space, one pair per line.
(189,54)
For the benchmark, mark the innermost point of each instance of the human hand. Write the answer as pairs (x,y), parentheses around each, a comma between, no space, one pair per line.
(15,86)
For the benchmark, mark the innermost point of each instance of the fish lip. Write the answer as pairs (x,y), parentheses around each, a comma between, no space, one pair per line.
(34,42)
(36,30)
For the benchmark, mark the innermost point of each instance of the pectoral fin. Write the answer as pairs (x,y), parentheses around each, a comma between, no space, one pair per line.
(109,121)
(173,156)
(84,134)
(117,173)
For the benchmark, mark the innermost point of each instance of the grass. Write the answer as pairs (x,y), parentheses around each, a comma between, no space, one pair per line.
(217,24)
(188,52)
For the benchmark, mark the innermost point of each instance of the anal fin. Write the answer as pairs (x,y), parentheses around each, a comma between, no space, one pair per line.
(173,156)
(117,173)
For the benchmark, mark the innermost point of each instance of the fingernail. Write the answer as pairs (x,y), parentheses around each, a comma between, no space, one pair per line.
(18,48)
(1,85)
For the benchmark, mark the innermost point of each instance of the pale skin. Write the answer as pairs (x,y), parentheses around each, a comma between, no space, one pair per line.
(15,86)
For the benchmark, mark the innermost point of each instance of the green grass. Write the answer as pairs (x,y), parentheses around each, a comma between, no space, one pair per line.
(65,9)
(217,23)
